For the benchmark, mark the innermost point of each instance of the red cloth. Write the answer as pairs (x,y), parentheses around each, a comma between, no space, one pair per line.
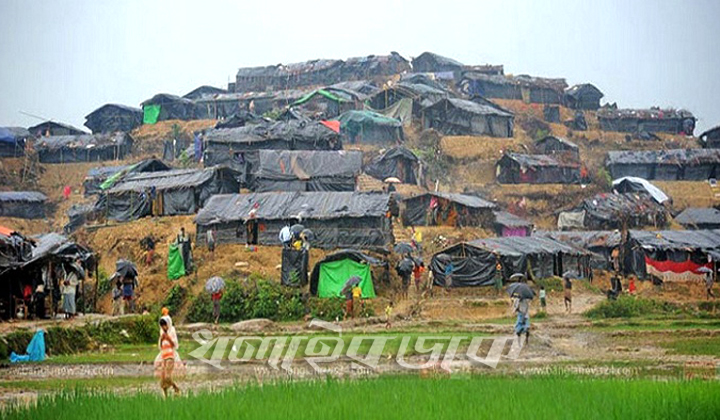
(216,296)
(27,292)
(66,192)
(676,267)
(333,125)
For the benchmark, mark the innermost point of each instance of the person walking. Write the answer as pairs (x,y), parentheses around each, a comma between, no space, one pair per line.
(631,286)
(417,239)
(210,234)
(522,323)
(709,281)
(498,278)
(216,305)
(129,284)
(167,358)
(118,307)
(449,268)
(417,274)
(543,301)
(567,285)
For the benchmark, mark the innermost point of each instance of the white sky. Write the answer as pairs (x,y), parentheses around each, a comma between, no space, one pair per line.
(64,58)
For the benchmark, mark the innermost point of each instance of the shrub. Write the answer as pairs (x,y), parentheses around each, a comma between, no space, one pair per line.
(551,284)
(628,306)
(175,298)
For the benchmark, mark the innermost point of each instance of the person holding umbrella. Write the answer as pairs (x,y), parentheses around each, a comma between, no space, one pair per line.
(709,280)
(522,295)
(215,286)
(347,291)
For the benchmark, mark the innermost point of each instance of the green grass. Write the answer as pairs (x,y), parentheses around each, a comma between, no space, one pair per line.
(693,346)
(47,385)
(408,397)
(649,324)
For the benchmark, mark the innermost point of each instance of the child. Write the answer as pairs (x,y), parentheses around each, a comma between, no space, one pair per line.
(167,358)
(631,286)
(388,314)
(417,273)
(543,302)
(118,304)
(357,297)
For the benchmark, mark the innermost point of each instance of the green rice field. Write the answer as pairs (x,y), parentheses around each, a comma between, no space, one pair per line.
(403,397)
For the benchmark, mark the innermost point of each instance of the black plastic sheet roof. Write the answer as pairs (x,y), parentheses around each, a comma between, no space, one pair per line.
(471,201)
(688,240)
(306,164)
(82,141)
(288,205)
(698,216)
(526,245)
(288,131)
(25,196)
(673,156)
(176,178)
(510,220)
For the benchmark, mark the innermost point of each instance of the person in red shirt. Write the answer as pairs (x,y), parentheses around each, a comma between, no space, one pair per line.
(631,286)
(216,305)
(417,273)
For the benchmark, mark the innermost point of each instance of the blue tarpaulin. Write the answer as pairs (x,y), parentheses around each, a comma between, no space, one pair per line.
(35,350)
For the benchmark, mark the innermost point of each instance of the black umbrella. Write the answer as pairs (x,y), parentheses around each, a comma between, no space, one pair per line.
(403,248)
(521,290)
(350,283)
(443,258)
(296,229)
(308,234)
(406,265)
(125,268)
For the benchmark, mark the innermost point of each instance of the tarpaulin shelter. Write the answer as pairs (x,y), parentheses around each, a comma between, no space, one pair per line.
(460,117)
(54,128)
(318,72)
(78,215)
(83,148)
(599,242)
(306,170)
(583,96)
(165,193)
(240,119)
(398,162)
(338,219)
(421,95)
(522,87)
(12,141)
(613,211)
(362,89)
(448,209)
(667,165)
(671,254)
(294,268)
(203,91)
(368,127)
(239,147)
(537,257)
(429,62)
(322,103)
(633,184)
(711,138)
(48,248)
(330,275)
(508,224)
(96,177)
(515,168)
(110,118)
(557,146)
(699,218)
(653,120)
(22,204)
(14,248)
(164,106)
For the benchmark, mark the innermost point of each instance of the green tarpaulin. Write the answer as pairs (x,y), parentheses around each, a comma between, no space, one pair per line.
(333,276)
(150,114)
(176,267)
(111,180)
(318,92)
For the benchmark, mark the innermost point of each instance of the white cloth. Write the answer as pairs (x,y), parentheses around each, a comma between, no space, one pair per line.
(72,280)
(173,335)
(285,234)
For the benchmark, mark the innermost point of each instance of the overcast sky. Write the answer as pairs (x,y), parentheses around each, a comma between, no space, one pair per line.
(61,59)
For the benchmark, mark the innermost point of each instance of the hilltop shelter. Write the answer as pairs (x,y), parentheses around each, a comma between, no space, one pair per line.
(96,177)
(507,224)
(583,96)
(418,95)
(666,165)
(337,219)
(653,120)
(695,218)
(671,255)
(448,209)
(398,162)
(164,106)
(306,170)
(203,91)
(165,193)
(711,138)
(110,118)
(12,141)
(83,148)
(460,117)
(613,211)
(631,184)
(599,242)
(515,168)
(330,275)
(54,128)
(428,62)
(528,89)
(557,146)
(536,257)
(324,104)
(368,127)
(22,204)
(239,147)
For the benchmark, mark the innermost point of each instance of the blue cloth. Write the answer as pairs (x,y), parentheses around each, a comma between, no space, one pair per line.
(35,350)
(127,290)
(522,325)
